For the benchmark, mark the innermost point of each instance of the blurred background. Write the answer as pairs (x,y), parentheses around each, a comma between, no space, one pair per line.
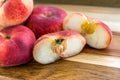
(105,3)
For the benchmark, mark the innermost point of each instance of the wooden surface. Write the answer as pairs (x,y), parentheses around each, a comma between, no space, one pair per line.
(107,57)
(90,64)
(61,70)
(105,3)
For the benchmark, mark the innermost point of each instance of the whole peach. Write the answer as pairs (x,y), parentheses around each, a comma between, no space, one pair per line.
(16,44)
(13,12)
(46,19)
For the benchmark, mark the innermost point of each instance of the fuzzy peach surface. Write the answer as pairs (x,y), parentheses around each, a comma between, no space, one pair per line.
(13,12)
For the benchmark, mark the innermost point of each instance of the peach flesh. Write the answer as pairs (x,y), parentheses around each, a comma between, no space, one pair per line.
(98,35)
(53,46)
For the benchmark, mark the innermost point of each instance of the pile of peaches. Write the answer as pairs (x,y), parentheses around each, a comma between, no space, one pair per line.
(45,33)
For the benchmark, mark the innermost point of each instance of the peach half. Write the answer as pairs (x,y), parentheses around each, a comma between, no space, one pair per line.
(53,46)
(97,34)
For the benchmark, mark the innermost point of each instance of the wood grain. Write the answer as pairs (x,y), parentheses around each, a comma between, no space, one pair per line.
(112,3)
(61,70)
(7,78)
(106,57)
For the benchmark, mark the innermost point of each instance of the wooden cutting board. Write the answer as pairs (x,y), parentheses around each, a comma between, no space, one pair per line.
(106,57)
